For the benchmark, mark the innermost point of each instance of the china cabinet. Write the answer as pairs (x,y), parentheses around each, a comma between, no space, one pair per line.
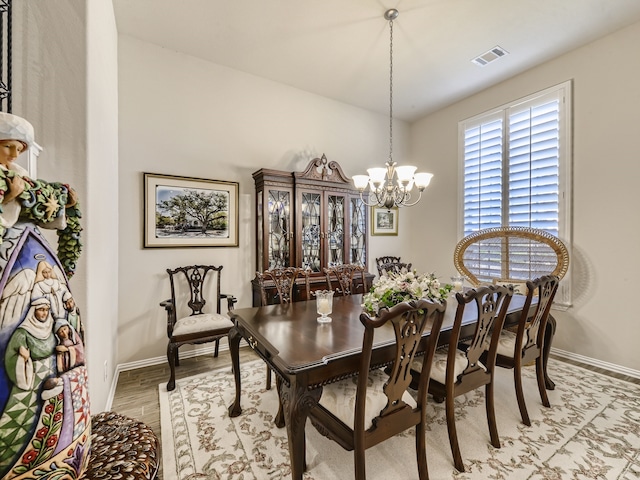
(310,219)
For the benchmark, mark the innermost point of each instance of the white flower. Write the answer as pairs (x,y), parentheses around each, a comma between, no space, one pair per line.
(393,288)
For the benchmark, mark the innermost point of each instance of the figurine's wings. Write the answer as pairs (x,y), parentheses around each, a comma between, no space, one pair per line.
(16,297)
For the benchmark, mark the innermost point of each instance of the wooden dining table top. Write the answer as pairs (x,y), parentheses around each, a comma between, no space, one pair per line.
(290,336)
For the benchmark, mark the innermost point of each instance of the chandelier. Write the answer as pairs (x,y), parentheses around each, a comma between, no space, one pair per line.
(391,185)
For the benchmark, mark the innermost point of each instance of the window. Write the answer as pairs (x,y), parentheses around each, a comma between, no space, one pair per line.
(516,167)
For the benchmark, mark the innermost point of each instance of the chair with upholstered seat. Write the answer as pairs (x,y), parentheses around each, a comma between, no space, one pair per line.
(458,369)
(358,413)
(526,345)
(188,321)
(284,280)
(350,278)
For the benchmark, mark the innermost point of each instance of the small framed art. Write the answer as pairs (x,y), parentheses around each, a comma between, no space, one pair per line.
(384,221)
(189,212)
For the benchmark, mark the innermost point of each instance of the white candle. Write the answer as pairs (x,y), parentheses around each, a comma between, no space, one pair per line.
(457,285)
(324,307)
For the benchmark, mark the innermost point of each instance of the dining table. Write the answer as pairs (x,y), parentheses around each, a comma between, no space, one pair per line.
(306,354)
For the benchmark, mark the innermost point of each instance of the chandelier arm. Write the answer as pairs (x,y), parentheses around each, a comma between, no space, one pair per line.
(417,200)
(373,204)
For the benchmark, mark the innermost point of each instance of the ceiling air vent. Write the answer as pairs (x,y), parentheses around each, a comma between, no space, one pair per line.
(490,55)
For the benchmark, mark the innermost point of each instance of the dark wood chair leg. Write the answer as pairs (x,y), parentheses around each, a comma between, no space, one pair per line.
(542,387)
(359,463)
(517,377)
(453,436)
(171,358)
(176,357)
(491,415)
(421,451)
(217,347)
(549,332)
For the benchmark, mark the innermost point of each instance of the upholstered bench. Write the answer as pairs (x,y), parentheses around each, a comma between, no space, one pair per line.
(121,448)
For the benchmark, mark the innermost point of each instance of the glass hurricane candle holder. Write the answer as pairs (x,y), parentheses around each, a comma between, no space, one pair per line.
(324,305)
(458,283)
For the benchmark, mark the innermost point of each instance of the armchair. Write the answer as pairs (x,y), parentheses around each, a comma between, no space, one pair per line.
(193,287)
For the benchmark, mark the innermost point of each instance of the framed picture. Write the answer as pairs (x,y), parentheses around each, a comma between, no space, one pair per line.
(189,212)
(384,221)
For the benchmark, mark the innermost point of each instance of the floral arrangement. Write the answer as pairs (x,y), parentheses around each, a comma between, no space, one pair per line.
(393,288)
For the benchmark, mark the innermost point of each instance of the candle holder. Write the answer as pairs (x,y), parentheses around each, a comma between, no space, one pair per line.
(324,305)
(458,283)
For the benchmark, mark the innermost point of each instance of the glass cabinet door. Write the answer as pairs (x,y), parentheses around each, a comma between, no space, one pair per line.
(335,230)
(310,229)
(358,230)
(279,229)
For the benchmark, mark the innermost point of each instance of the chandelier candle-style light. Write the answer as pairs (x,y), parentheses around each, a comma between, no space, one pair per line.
(391,185)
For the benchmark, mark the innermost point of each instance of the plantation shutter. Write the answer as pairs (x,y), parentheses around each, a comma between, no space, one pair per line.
(533,153)
(482,196)
(516,172)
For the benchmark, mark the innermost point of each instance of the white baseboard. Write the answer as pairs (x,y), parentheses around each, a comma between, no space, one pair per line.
(612,367)
(124,367)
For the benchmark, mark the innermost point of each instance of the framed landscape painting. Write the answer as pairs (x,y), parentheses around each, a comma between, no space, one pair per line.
(384,221)
(189,212)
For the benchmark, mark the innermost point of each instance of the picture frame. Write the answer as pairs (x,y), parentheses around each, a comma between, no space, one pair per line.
(189,212)
(384,221)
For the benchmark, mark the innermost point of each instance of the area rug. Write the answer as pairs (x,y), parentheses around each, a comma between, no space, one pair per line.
(591,431)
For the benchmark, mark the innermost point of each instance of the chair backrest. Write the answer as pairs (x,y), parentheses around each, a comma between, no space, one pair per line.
(409,320)
(393,267)
(510,255)
(346,276)
(386,259)
(201,286)
(531,329)
(491,303)
(284,281)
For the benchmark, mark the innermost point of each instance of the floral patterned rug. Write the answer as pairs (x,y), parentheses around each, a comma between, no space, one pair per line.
(591,431)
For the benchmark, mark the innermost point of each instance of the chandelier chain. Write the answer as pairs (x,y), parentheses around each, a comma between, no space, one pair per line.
(391,186)
(390,90)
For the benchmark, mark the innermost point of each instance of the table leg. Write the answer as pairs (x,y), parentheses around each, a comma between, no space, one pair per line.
(549,332)
(234,349)
(297,401)
(279,420)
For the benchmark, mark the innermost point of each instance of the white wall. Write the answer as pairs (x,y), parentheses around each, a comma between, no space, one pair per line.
(65,84)
(101,208)
(183,116)
(603,322)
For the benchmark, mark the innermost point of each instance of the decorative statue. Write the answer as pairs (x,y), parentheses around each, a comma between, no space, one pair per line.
(45,425)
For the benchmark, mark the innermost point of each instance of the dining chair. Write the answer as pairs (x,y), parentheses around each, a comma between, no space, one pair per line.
(386,259)
(458,368)
(360,412)
(284,281)
(526,344)
(188,321)
(349,278)
(393,267)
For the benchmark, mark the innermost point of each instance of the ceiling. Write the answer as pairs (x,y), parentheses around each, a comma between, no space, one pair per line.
(340,48)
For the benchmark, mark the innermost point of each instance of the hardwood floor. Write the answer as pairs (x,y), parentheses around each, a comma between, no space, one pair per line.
(137,390)
(136,393)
